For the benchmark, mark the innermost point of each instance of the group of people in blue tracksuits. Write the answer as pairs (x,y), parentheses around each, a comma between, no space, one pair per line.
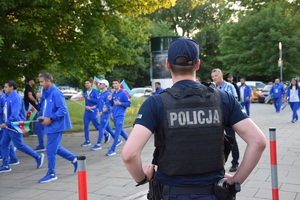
(13,110)
(106,105)
(292,96)
(53,116)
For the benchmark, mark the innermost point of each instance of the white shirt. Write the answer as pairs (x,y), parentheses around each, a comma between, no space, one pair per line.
(242,89)
(294,95)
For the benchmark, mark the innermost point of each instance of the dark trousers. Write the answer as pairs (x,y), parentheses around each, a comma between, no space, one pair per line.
(235,149)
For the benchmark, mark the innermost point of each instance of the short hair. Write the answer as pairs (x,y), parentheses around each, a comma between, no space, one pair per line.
(116,80)
(46,76)
(229,76)
(11,83)
(216,70)
(158,83)
(243,78)
(89,80)
(182,70)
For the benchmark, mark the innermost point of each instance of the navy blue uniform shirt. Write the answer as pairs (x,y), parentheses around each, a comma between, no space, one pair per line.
(150,116)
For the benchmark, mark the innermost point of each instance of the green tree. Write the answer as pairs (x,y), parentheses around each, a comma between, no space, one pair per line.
(249,47)
(77,38)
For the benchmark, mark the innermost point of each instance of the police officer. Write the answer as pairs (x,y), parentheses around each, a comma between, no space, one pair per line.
(188,124)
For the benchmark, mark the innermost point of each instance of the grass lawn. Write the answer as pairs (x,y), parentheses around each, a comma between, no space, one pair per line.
(76,110)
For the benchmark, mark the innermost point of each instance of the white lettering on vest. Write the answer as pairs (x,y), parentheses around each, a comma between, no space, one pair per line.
(190,117)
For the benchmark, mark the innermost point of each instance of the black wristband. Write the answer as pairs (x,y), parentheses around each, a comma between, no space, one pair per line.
(142,182)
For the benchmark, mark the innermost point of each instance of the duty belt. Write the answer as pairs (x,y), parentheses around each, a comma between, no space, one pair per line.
(200,190)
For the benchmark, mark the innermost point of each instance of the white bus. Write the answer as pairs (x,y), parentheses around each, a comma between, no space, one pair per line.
(159,53)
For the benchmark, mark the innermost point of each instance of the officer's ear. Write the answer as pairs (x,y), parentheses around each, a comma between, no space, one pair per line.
(167,64)
(197,65)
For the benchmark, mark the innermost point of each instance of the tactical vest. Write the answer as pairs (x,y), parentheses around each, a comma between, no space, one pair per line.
(191,140)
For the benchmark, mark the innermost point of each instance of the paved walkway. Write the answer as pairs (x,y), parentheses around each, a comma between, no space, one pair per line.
(108,179)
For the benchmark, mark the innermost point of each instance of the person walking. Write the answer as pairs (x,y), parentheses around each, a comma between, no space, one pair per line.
(189,147)
(230,80)
(119,102)
(245,92)
(91,111)
(158,88)
(293,97)
(104,113)
(12,154)
(14,111)
(30,98)
(217,77)
(29,95)
(56,120)
(277,92)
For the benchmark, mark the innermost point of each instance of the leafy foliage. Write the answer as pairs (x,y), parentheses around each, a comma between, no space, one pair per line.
(250,47)
(76,38)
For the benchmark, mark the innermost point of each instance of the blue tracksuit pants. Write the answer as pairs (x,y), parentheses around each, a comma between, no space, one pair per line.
(40,133)
(11,152)
(119,121)
(246,105)
(277,103)
(104,121)
(53,147)
(17,139)
(294,106)
(110,130)
(87,118)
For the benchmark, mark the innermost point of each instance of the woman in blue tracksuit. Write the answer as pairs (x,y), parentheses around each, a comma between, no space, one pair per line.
(245,94)
(91,111)
(293,97)
(56,120)
(119,100)
(14,111)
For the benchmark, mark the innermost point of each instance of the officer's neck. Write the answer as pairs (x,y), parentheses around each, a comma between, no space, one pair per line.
(178,78)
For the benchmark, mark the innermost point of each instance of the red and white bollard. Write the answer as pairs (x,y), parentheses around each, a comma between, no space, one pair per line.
(82,180)
(273,156)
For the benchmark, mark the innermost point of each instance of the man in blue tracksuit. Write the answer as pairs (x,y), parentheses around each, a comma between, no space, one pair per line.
(119,100)
(14,111)
(245,95)
(12,153)
(56,120)
(91,111)
(104,112)
(277,92)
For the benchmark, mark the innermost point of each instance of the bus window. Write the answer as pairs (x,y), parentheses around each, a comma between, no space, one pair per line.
(159,65)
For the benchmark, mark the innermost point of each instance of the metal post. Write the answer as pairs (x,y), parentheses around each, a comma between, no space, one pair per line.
(82,180)
(280,62)
(273,156)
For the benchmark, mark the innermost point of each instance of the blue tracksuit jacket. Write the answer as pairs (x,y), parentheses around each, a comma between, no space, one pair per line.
(93,98)
(277,90)
(103,102)
(15,108)
(119,110)
(247,93)
(55,107)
